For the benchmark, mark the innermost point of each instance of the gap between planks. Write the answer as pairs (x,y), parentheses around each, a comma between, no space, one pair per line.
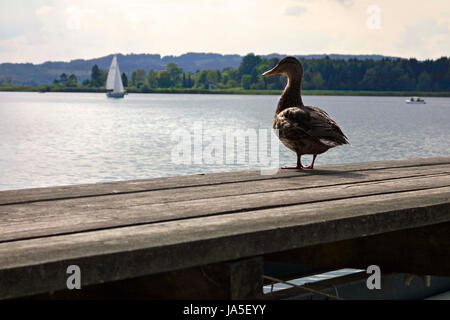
(245,176)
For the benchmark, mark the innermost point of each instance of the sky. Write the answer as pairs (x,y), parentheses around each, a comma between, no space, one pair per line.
(61,30)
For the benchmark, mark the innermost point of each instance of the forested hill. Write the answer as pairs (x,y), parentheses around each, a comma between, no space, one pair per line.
(27,73)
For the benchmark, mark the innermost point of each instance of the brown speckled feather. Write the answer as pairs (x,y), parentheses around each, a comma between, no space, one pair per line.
(308,130)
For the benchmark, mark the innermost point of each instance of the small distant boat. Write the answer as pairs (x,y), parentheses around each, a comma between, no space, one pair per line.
(114,84)
(415,100)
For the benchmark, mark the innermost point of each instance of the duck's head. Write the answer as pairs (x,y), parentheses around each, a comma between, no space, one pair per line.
(289,66)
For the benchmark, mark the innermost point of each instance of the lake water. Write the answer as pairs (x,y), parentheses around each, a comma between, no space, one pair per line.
(71,138)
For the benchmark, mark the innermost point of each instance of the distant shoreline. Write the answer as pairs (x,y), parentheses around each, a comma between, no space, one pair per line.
(239,91)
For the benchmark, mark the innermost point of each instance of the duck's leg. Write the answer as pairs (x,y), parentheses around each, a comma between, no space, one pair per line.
(311,166)
(299,163)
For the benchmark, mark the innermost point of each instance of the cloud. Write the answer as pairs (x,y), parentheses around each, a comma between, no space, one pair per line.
(45,30)
(293,11)
(44,10)
(426,36)
(346,3)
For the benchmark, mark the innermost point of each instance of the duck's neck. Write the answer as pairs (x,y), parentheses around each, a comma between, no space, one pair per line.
(291,96)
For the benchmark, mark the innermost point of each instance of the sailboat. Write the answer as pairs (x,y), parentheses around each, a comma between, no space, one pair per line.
(114,84)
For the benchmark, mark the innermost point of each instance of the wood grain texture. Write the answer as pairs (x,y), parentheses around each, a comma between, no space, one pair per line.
(129,229)
(133,186)
(39,265)
(44,218)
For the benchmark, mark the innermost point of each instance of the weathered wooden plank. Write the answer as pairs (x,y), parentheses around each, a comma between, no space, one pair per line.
(312,180)
(86,190)
(67,216)
(424,250)
(150,228)
(39,265)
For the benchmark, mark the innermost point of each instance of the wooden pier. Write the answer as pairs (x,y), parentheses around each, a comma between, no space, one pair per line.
(213,236)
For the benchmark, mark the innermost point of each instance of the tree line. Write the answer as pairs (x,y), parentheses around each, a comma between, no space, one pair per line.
(319,74)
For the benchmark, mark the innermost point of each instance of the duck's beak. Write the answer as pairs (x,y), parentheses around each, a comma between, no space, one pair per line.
(272,71)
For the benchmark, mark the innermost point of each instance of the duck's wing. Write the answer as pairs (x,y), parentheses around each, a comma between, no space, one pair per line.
(324,127)
(314,122)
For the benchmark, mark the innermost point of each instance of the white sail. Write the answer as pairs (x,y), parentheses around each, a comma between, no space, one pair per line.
(114,80)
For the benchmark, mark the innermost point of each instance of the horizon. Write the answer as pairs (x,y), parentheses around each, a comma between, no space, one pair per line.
(223,54)
(68,30)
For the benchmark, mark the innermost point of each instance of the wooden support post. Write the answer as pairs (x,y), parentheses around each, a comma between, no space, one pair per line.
(240,279)
(424,251)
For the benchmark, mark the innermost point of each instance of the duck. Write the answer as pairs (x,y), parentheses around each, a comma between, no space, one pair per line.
(303,129)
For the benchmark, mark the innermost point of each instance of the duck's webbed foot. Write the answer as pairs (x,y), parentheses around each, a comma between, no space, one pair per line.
(299,165)
(293,167)
(311,166)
